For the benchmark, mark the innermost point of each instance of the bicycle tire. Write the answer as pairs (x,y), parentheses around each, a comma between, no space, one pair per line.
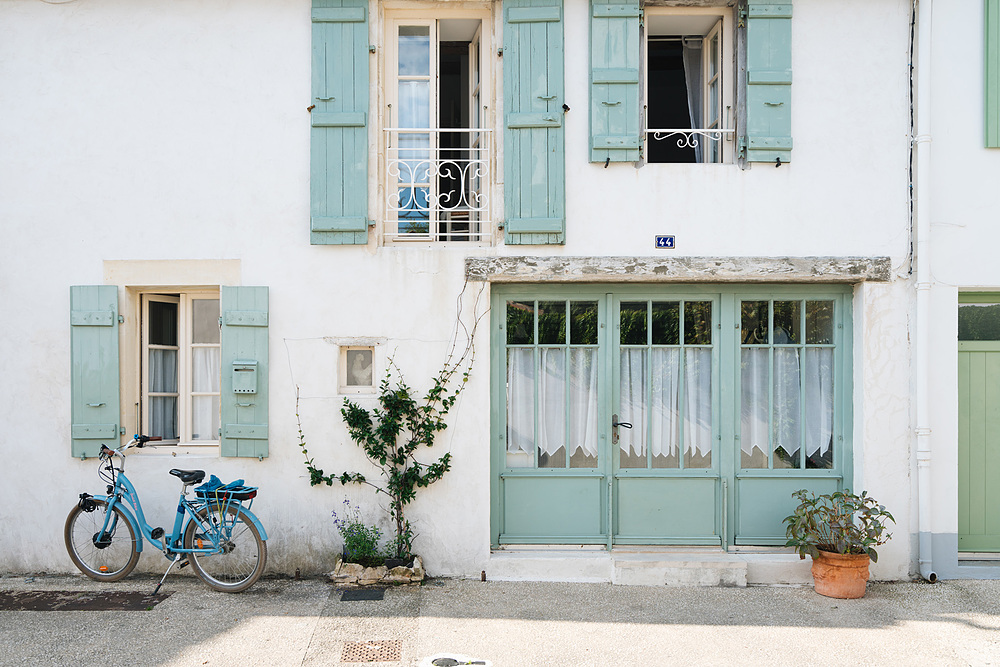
(109,562)
(243,560)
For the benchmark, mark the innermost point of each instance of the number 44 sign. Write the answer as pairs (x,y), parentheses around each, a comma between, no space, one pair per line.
(665,242)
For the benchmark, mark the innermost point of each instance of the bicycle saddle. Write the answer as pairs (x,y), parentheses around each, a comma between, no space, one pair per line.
(189,476)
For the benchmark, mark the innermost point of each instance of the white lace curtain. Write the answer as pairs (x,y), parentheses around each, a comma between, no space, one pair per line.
(790,396)
(205,368)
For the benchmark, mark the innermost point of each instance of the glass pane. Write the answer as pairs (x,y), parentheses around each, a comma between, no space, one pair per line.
(819,407)
(666,322)
(698,408)
(754,322)
(978,321)
(163,417)
(360,368)
(414,50)
(583,407)
(162,323)
(163,371)
(552,408)
(412,217)
(754,409)
(787,414)
(819,322)
(205,321)
(205,374)
(664,434)
(633,324)
(583,323)
(520,322)
(632,408)
(414,104)
(551,322)
(205,418)
(520,407)
(413,158)
(787,322)
(698,323)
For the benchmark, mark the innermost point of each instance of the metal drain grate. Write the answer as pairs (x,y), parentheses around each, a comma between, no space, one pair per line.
(383,650)
(354,595)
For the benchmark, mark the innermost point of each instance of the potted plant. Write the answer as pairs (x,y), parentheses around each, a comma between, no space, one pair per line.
(840,531)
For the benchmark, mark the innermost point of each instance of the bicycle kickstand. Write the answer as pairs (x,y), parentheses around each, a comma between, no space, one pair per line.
(178,558)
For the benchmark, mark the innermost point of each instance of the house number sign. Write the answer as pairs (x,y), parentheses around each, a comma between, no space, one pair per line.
(665,242)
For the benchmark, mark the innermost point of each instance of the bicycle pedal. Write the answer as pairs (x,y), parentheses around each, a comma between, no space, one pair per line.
(156,533)
(183,564)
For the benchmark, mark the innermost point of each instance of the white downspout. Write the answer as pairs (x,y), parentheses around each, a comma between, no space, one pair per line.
(922,192)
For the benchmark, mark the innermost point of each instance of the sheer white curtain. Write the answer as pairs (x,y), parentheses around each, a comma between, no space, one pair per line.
(205,376)
(520,407)
(692,53)
(754,379)
(665,429)
(163,379)
(819,400)
(552,403)
(632,407)
(698,398)
(583,401)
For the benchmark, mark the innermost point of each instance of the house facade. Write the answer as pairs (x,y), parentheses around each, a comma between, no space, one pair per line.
(690,277)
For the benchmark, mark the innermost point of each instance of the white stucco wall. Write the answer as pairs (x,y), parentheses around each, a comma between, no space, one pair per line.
(963,237)
(177,129)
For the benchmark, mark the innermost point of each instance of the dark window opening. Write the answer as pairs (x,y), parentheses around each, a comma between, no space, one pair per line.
(667,105)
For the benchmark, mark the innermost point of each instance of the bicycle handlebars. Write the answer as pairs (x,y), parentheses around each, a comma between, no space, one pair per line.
(137,441)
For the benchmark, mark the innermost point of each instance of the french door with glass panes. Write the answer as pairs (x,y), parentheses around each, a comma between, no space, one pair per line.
(666,415)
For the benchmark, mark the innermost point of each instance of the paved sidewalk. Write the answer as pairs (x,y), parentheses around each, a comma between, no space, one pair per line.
(283,622)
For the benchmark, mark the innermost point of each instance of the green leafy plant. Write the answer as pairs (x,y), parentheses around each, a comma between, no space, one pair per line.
(840,522)
(361,541)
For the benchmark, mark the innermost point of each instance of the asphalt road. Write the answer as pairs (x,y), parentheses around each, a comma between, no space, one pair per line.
(284,622)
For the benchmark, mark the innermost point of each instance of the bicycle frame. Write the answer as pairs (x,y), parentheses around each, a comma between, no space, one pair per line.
(125,496)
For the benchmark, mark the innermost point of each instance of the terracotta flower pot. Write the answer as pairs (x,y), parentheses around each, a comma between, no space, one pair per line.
(840,575)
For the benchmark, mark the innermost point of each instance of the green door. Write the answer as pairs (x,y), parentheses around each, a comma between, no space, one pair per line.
(665,415)
(979,423)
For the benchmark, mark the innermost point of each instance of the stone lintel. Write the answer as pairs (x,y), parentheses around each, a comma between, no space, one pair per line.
(529,269)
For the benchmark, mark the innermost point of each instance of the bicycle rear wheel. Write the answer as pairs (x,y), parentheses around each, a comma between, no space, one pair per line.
(104,558)
(242,556)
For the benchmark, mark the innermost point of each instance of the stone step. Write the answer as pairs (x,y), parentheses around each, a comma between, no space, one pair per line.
(673,567)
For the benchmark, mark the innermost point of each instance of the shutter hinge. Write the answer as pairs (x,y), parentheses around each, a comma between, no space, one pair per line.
(121,319)
(121,430)
(742,15)
(371,223)
(260,457)
(743,147)
(371,48)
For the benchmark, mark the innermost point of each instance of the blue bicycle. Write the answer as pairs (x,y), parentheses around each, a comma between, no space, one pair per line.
(213,531)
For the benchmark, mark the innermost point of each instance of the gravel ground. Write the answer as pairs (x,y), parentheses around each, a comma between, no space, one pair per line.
(285,622)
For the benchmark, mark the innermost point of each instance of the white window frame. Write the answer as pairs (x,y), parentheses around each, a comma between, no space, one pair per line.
(185,346)
(426,13)
(725,78)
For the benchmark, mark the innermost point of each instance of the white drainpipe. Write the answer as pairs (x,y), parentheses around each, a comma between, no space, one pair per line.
(923,265)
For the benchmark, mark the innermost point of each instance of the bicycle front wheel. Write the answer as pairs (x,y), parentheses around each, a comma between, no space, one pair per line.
(106,556)
(241,555)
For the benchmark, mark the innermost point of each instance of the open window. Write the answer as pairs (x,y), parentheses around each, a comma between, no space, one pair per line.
(437,148)
(690,113)
(180,369)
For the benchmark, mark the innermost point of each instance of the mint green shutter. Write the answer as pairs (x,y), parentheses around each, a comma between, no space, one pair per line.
(992,91)
(534,161)
(244,356)
(769,81)
(94,378)
(614,81)
(339,161)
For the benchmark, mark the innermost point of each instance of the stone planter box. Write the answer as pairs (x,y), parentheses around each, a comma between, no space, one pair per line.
(354,573)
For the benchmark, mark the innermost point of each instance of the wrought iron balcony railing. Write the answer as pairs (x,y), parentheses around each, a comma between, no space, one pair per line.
(438,184)
(706,142)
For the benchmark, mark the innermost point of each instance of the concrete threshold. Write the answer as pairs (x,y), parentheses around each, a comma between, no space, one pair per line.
(649,566)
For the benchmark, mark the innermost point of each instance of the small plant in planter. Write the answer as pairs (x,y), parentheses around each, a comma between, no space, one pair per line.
(840,531)
(362,543)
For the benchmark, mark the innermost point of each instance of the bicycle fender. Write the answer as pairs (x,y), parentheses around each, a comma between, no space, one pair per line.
(256,522)
(131,519)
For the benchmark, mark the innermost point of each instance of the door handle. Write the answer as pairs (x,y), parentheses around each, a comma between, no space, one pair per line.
(614,428)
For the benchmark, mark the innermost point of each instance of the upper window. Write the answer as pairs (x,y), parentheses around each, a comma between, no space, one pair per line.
(180,367)
(689,93)
(437,146)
